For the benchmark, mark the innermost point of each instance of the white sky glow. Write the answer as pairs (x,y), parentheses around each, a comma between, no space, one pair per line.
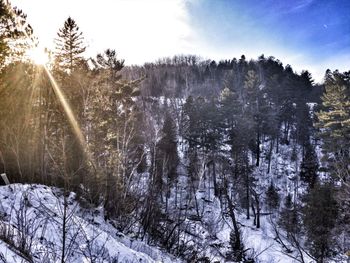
(138,30)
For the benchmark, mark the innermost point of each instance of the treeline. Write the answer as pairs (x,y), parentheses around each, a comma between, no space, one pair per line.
(186,75)
(146,141)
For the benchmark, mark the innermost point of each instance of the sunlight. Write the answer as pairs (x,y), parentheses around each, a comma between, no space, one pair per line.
(41,56)
(141,24)
(71,117)
(67,109)
(38,56)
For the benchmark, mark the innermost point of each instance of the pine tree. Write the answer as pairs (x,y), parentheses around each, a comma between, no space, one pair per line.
(336,118)
(287,98)
(272,197)
(303,124)
(5,17)
(115,132)
(13,27)
(334,124)
(69,46)
(108,61)
(289,219)
(309,166)
(236,252)
(190,124)
(211,125)
(168,147)
(320,215)
(72,76)
(230,109)
(238,134)
(257,110)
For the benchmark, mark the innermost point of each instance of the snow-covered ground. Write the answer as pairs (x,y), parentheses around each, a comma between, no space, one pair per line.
(31,230)
(214,229)
(32,216)
(32,227)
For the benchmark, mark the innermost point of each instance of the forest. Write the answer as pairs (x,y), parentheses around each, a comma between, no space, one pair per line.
(202,160)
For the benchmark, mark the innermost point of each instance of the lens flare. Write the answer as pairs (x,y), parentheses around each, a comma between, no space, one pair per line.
(38,55)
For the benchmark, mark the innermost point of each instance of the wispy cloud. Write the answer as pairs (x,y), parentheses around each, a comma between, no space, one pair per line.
(299,5)
(290,7)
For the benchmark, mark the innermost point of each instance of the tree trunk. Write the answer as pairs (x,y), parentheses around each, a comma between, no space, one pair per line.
(216,192)
(238,246)
(270,155)
(258,148)
(257,212)
(254,213)
(64,226)
(247,194)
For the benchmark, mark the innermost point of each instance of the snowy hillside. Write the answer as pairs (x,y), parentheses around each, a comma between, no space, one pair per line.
(32,218)
(32,229)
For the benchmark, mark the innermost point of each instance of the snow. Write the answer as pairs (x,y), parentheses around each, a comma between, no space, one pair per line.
(9,255)
(34,214)
(211,234)
(95,240)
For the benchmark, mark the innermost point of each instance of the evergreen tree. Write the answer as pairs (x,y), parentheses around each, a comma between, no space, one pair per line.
(335,117)
(14,33)
(257,111)
(230,109)
(236,252)
(303,124)
(272,197)
(306,84)
(72,76)
(320,215)
(5,18)
(69,46)
(309,166)
(334,124)
(211,125)
(115,132)
(238,134)
(190,124)
(287,102)
(168,147)
(289,219)
(108,61)
(252,112)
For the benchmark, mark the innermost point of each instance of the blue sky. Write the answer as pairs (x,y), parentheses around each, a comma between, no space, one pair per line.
(308,34)
(318,28)
(311,34)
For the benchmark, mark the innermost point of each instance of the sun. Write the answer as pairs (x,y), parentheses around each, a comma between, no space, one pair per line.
(38,56)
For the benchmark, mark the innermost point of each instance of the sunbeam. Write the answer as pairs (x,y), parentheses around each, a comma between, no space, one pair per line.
(67,109)
(41,58)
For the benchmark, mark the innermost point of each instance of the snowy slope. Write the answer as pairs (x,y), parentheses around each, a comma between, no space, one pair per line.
(211,234)
(31,216)
(32,226)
